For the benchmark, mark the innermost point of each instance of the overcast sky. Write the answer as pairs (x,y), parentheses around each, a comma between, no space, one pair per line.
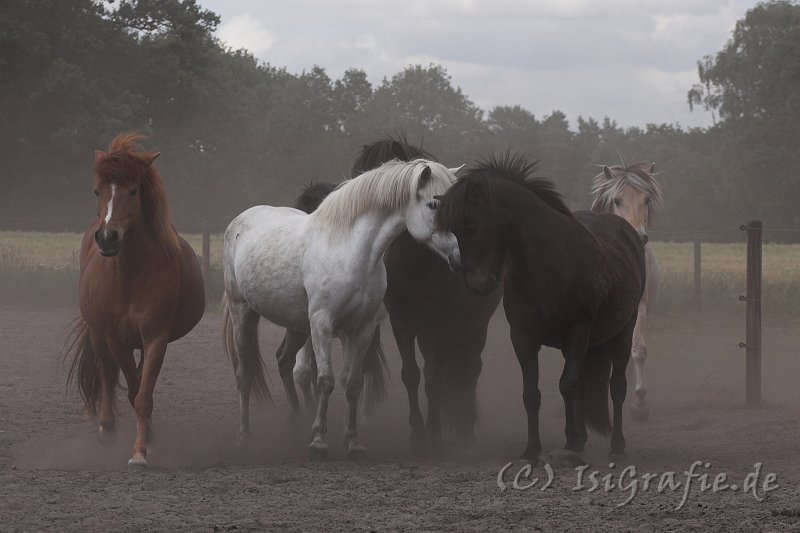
(630,60)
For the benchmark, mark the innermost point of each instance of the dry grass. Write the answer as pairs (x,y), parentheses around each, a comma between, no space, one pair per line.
(723,268)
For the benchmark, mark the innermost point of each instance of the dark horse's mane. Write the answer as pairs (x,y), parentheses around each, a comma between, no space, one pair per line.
(379,152)
(477,182)
(312,195)
(370,156)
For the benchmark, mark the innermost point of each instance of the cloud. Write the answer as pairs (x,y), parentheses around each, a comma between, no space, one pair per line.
(248,32)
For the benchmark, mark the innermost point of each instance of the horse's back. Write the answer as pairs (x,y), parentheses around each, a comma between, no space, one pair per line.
(262,256)
(623,269)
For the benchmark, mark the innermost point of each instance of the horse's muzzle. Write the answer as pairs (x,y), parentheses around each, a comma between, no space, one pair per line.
(107,242)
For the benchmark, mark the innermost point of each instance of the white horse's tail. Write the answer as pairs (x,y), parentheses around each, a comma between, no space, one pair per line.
(257,367)
(376,372)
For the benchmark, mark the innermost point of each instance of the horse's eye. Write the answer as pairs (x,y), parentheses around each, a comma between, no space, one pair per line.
(617,202)
(132,193)
(433,205)
(96,193)
(647,201)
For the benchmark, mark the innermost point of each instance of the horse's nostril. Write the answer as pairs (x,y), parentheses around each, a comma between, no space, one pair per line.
(97,237)
(113,236)
(645,238)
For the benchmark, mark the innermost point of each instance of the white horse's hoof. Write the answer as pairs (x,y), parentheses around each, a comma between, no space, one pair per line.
(640,413)
(564,458)
(317,451)
(137,462)
(356,452)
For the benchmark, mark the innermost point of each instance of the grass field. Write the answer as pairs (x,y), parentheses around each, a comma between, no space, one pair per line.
(52,259)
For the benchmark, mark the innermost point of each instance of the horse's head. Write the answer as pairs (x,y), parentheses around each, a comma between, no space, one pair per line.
(630,192)
(483,231)
(433,180)
(122,180)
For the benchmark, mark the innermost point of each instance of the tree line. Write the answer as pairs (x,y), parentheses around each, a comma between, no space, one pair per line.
(235,132)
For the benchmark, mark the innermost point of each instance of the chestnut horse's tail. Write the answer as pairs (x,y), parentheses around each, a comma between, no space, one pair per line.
(85,368)
(254,361)
(593,391)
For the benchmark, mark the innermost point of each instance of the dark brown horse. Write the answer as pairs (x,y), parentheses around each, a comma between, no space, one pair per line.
(140,288)
(428,305)
(572,281)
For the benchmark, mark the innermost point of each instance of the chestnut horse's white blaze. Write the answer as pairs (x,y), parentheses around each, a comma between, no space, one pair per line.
(110,205)
(323,274)
(633,193)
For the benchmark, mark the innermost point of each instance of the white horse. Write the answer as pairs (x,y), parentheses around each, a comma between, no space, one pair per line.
(323,274)
(633,193)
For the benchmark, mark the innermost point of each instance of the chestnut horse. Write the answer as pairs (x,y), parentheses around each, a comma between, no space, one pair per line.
(140,288)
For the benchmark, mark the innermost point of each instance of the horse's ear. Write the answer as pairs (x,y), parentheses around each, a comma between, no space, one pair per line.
(398,152)
(456,170)
(652,167)
(607,172)
(152,157)
(98,155)
(424,178)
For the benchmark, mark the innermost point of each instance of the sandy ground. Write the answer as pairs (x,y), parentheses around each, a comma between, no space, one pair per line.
(54,474)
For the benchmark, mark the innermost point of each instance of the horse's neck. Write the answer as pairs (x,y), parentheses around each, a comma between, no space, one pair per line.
(143,250)
(372,233)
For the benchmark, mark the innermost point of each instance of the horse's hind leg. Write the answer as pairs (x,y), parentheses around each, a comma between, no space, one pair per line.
(292,342)
(640,410)
(305,372)
(245,339)
(108,371)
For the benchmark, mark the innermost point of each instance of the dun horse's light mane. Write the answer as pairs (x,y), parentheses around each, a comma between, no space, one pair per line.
(636,175)
(389,187)
(127,163)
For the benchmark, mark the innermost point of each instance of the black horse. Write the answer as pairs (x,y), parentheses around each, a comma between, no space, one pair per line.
(571,281)
(429,305)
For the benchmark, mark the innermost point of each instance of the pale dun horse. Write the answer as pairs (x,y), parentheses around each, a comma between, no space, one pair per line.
(633,193)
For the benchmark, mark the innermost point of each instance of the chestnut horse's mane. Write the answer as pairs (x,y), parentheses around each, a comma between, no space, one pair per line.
(127,163)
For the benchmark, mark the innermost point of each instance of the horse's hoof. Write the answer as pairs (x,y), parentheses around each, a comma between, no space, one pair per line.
(137,462)
(107,435)
(317,451)
(640,413)
(565,458)
(617,457)
(356,452)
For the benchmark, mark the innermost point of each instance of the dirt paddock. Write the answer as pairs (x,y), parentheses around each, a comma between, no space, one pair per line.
(55,475)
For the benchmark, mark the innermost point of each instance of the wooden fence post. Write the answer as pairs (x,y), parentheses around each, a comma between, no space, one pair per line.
(753,299)
(698,303)
(206,264)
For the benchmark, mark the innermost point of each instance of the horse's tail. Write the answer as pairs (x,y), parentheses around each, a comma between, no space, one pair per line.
(256,362)
(376,371)
(593,391)
(84,372)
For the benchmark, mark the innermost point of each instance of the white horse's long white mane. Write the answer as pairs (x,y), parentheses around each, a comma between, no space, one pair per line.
(636,175)
(389,187)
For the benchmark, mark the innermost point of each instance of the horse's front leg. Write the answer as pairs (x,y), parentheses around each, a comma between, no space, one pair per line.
(574,353)
(404,335)
(322,339)
(108,371)
(640,410)
(527,350)
(154,350)
(355,348)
